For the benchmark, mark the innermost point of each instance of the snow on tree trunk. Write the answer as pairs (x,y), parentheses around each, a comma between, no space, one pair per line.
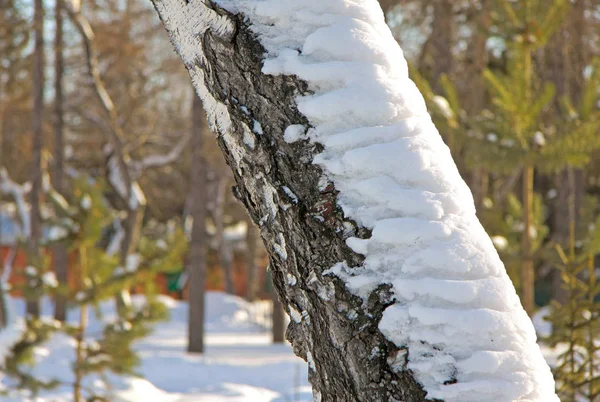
(394,290)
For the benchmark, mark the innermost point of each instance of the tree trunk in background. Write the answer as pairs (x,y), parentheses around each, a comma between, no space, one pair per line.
(566,60)
(60,251)
(133,227)
(442,42)
(252,268)
(300,245)
(278,319)
(34,256)
(197,254)
(3,309)
(570,190)
(527,269)
(224,249)
(474,93)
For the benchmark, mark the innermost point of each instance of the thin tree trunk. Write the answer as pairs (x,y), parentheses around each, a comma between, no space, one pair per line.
(80,335)
(437,55)
(197,254)
(3,301)
(278,319)
(565,61)
(527,271)
(33,307)
(570,189)
(60,251)
(133,226)
(3,308)
(7,265)
(473,94)
(253,277)
(223,247)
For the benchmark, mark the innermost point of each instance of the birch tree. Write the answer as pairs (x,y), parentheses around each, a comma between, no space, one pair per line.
(394,290)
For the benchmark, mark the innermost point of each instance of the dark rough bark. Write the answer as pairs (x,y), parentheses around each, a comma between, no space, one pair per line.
(197,256)
(33,306)
(60,251)
(350,356)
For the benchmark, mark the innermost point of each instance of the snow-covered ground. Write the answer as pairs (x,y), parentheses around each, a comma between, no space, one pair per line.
(240,363)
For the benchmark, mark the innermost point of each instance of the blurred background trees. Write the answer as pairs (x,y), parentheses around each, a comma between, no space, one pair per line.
(513,87)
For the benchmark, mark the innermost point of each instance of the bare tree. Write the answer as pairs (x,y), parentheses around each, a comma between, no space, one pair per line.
(197,255)
(123,172)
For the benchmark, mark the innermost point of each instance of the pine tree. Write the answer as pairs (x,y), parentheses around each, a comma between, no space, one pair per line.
(576,323)
(99,274)
(513,137)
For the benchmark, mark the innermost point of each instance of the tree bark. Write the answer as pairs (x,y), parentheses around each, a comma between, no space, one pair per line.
(33,307)
(474,92)
(437,55)
(278,319)
(197,255)
(60,251)
(349,355)
(223,247)
(252,270)
(527,269)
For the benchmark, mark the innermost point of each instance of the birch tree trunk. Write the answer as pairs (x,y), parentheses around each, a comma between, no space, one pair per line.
(357,344)
(197,255)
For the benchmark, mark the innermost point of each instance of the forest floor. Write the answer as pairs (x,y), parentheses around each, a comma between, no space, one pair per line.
(240,363)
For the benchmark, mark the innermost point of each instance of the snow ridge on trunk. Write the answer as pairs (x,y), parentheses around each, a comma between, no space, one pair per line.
(455,316)
(456,310)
